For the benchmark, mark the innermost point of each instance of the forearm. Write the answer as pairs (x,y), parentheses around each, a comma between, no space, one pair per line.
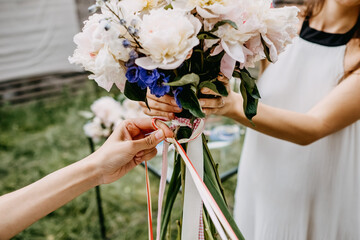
(291,126)
(25,206)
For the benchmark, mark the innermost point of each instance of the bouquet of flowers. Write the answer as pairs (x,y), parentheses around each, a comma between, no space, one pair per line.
(179,47)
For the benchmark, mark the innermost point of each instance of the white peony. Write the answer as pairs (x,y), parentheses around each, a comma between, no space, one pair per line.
(233,41)
(254,19)
(281,29)
(107,71)
(205,8)
(101,51)
(132,109)
(108,110)
(140,6)
(167,36)
(94,130)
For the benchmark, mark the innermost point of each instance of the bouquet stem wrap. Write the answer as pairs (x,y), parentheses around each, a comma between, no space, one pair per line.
(196,191)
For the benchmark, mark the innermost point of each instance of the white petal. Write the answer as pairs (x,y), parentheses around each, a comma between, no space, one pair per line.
(205,14)
(172,65)
(272,49)
(146,63)
(227,66)
(234,50)
(218,49)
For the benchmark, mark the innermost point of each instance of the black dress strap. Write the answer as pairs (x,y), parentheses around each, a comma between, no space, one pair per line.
(324,38)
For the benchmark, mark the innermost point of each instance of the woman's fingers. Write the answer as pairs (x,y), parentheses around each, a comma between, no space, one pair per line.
(210,111)
(212,102)
(221,77)
(152,153)
(156,113)
(144,152)
(159,106)
(164,99)
(208,91)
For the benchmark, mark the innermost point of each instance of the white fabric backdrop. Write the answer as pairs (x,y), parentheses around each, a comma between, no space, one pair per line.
(36,37)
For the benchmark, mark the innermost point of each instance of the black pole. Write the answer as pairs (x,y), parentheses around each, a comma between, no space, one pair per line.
(226,175)
(154,171)
(101,213)
(98,200)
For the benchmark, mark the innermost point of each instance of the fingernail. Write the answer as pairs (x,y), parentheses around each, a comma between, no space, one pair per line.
(202,103)
(159,134)
(177,109)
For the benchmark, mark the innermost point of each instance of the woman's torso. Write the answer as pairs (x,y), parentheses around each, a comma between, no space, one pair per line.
(287,191)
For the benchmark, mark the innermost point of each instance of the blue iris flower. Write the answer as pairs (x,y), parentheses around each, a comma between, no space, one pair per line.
(148,76)
(132,74)
(176,96)
(158,88)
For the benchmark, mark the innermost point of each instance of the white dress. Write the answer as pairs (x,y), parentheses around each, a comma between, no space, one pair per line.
(291,192)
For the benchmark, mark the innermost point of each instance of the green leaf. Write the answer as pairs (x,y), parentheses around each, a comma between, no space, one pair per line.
(216,86)
(216,58)
(213,183)
(206,35)
(190,78)
(236,74)
(221,88)
(266,49)
(178,226)
(250,103)
(209,85)
(220,23)
(223,207)
(250,84)
(249,92)
(134,92)
(210,167)
(168,7)
(190,102)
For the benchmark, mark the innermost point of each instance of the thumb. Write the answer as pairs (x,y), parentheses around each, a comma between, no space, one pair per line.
(150,141)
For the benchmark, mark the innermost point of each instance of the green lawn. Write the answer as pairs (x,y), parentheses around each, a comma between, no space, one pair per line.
(38,138)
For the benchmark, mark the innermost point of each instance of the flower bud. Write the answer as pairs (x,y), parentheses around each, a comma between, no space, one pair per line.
(126,43)
(93,8)
(132,30)
(133,55)
(107,26)
(123,22)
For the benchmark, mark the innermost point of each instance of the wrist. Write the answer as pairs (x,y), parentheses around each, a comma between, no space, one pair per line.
(233,101)
(92,169)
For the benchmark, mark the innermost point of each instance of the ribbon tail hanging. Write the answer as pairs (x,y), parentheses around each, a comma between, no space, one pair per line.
(162,187)
(192,199)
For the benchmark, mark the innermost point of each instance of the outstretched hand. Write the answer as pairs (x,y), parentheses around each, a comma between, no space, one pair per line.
(131,143)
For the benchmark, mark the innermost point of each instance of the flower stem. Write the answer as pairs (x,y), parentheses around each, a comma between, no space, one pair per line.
(207,227)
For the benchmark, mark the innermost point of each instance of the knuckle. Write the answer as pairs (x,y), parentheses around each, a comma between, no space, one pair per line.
(149,140)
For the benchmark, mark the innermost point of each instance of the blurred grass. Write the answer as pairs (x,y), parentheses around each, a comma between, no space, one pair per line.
(39,138)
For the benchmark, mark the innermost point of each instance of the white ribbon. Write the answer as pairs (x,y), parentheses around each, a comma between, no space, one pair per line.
(192,200)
